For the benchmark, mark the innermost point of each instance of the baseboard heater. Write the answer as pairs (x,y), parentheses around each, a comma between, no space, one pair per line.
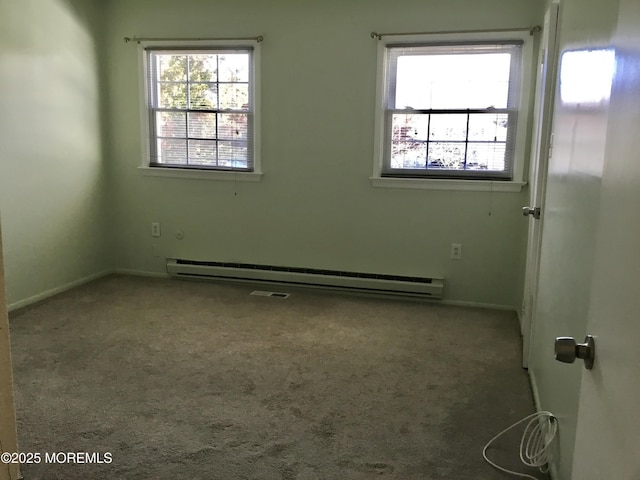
(364,282)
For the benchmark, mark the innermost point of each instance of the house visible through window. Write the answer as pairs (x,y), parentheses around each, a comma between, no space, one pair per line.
(451,109)
(200,108)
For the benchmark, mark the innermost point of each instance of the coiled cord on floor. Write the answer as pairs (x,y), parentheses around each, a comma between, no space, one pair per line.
(535,445)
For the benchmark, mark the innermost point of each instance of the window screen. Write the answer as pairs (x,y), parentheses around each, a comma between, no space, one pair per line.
(201,108)
(451,110)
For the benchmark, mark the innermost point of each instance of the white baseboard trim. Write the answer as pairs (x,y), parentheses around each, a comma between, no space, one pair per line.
(553,470)
(144,273)
(455,303)
(534,389)
(492,306)
(140,273)
(54,291)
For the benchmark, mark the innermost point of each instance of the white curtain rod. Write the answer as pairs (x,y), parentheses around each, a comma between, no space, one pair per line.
(258,39)
(531,30)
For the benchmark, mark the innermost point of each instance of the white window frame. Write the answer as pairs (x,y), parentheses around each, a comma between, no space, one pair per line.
(516,183)
(145,167)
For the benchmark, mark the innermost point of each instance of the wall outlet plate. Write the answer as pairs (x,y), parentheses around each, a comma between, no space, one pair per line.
(155,229)
(456,251)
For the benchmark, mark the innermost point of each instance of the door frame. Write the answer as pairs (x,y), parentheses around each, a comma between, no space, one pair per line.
(8,431)
(542,142)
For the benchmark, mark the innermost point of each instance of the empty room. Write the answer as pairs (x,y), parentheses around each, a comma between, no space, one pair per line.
(318,239)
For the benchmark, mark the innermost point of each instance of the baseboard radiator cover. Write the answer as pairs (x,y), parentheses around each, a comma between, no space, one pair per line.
(363,282)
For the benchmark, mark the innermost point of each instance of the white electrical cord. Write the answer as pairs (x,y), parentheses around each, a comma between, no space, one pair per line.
(535,446)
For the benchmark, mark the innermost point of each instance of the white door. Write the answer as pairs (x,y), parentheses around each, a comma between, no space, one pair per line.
(589,263)
(608,430)
(545,83)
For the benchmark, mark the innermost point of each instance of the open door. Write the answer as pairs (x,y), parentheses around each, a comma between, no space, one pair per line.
(608,427)
(546,79)
(589,262)
(8,437)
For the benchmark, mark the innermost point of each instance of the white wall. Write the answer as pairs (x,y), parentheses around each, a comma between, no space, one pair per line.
(315,206)
(51,168)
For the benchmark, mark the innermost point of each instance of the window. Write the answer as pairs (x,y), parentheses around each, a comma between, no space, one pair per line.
(452,109)
(201,107)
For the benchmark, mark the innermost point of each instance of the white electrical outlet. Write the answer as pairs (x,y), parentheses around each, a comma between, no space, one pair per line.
(456,251)
(179,234)
(155,229)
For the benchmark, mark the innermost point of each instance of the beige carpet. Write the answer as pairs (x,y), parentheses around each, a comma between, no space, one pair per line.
(194,380)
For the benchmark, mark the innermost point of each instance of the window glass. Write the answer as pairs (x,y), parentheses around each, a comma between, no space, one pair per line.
(451,109)
(201,108)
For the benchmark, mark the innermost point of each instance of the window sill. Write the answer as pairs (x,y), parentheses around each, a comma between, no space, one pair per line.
(200,174)
(448,184)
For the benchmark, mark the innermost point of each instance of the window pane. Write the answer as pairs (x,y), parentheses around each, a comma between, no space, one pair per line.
(448,127)
(233,154)
(171,124)
(171,68)
(409,127)
(408,155)
(440,81)
(448,156)
(489,127)
(203,68)
(203,96)
(202,152)
(172,151)
(202,125)
(173,95)
(234,67)
(486,156)
(234,96)
(189,91)
(232,126)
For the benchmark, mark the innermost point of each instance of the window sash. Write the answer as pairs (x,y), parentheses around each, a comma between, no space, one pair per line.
(467,141)
(390,167)
(215,150)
